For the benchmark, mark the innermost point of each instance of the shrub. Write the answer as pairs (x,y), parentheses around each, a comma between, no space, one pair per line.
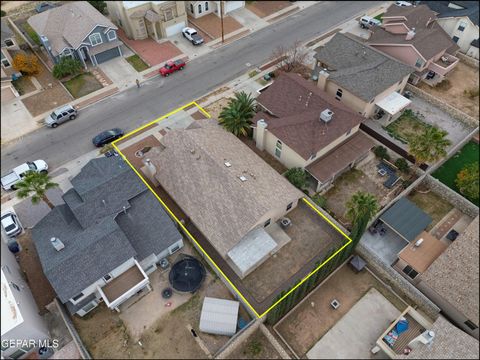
(471,93)
(467,181)
(66,66)
(297,177)
(99,5)
(26,64)
(319,200)
(406,183)
(3,13)
(402,165)
(381,152)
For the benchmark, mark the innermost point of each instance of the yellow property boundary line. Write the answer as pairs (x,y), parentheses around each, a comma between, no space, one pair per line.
(196,242)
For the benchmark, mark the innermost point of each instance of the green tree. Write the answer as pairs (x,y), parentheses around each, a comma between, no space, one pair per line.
(467,181)
(66,66)
(236,117)
(38,184)
(402,165)
(429,146)
(361,208)
(381,152)
(297,177)
(99,5)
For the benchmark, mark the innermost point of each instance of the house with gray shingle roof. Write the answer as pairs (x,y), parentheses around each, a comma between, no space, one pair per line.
(304,127)
(105,240)
(361,77)
(78,30)
(413,36)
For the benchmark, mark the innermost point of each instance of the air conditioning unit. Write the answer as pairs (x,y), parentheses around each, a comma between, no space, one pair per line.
(326,115)
(418,242)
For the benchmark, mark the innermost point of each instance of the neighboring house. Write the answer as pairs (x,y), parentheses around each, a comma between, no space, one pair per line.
(143,19)
(363,78)
(302,126)
(412,35)
(231,195)
(460,20)
(107,237)
(198,9)
(20,319)
(78,30)
(452,281)
(8,43)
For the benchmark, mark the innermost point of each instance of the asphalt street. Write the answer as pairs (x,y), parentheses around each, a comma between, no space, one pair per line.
(135,107)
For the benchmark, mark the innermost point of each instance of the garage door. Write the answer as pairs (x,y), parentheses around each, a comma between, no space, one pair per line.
(174,29)
(107,55)
(232,5)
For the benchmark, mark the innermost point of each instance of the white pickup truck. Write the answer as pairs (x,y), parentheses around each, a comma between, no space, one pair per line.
(192,35)
(8,181)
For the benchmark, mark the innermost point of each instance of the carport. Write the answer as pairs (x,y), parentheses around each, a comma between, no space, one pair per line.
(393,104)
(406,219)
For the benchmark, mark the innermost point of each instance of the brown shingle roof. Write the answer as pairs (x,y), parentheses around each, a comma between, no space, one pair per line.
(454,275)
(296,105)
(428,40)
(192,170)
(68,25)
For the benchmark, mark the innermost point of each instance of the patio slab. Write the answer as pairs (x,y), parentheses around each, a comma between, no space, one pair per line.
(386,247)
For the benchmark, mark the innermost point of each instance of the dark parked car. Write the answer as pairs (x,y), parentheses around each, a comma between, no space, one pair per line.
(107,137)
(44,7)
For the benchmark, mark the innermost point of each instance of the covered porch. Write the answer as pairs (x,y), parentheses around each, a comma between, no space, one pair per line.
(390,108)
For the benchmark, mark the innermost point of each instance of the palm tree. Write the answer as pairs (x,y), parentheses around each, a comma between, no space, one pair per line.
(236,117)
(361,208)
(429,146)
(38,184)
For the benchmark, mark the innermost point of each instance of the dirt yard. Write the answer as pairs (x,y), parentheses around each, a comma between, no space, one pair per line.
(432,204)
(307,324)
(265,8)
(215,108)
(462,79)
(107,337)
(256,346)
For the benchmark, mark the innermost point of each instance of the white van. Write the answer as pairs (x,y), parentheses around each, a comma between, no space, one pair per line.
(367,22)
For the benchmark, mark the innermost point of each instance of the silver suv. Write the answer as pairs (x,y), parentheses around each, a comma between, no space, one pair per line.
(61,115)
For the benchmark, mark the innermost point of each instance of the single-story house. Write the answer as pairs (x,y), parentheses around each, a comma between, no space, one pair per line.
(303,126)
(412,35)
(460,20)
(361,77)
(105,240)
(143,19)
(227,191)
(78,30)
(198,9)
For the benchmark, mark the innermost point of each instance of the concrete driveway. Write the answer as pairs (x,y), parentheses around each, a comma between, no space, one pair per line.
(120,72)
(16,120)
(188,48)
(356,333)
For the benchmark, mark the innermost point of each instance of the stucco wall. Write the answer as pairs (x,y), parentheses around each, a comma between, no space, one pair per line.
(406,54)
(450,25)
(396,28)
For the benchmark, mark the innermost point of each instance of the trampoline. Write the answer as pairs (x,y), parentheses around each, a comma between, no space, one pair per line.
(187,275)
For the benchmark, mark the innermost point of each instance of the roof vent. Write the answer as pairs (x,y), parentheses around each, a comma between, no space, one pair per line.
(410,34)
(227,164)
(418,242)
(57,244)
(326,115)
(192,150)
(243,178)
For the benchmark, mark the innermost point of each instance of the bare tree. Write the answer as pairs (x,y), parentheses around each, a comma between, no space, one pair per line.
(292,57)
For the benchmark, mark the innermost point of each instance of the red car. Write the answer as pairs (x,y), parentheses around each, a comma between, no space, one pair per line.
(171,67)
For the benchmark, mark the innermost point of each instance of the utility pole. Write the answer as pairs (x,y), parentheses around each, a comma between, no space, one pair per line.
(221,17)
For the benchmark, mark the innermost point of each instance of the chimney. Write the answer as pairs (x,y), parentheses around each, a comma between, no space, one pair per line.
(322,79)
(410,34)
(56,243)
(150,171)
(260,133)
(326,115)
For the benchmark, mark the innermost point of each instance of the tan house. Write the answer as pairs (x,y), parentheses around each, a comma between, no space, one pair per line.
(143,19)
(364,79)
(229,193)
(412,35)
(198,9)
(452,281)
(302,126)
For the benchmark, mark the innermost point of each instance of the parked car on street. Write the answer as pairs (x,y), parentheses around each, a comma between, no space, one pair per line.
(192,35)
(8,181)
(60,115)
(368,22)
(44,7)
(107,137)
(171,67)
(11,224)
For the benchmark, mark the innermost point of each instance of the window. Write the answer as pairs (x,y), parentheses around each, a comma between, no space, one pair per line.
(206,5)
(111,35)
(78,297)
(289,206)
(5,63)
(9,42)
(278,149)
(199,8)
(15,286)
(462,26)
(419,63)
(410,272)
(267,223)
(95,39)
(313,156)
(279,144)
(339,94)
(174,249)
(455,39)
(191,8)
(107,278)
(348,132)
(89,306)
(471,325)
(168,14)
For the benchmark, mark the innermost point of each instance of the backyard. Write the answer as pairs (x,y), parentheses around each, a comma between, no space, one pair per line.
(460,91)
(256,346)
(409,124)
(312,319)
(137,63)
(447,173)
(82,85)
(432,204)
